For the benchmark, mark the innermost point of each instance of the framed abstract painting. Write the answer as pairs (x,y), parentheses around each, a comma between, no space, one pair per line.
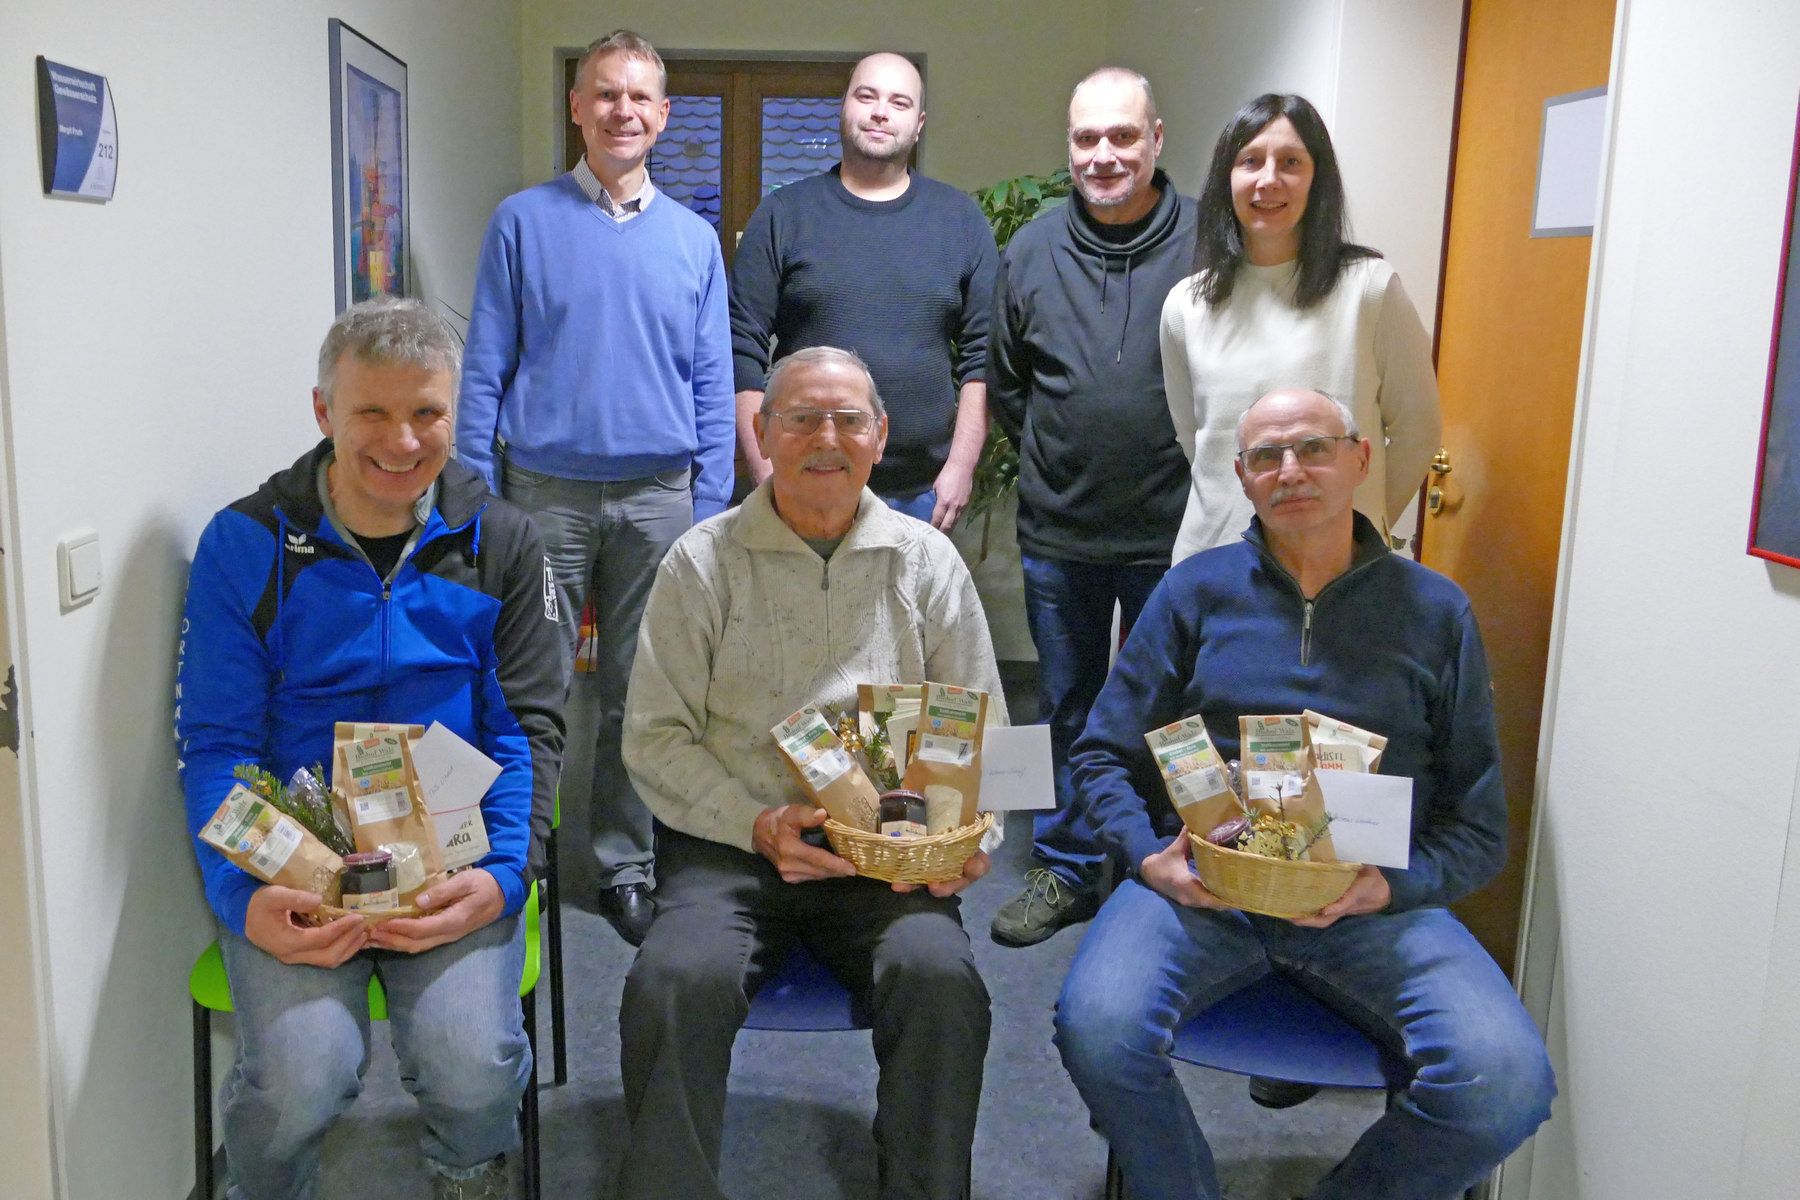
(370,189)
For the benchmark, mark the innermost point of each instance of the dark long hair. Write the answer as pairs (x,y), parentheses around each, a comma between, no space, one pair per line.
(1324,252)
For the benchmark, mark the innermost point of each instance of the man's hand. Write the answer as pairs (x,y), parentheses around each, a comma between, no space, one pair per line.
(776,836)
(270,924)
(458,906)
(954,485)
(1368,892)
(974,868)
(1169,872)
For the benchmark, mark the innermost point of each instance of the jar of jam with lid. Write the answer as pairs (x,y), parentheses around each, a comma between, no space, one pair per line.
(368,882)
(902,814)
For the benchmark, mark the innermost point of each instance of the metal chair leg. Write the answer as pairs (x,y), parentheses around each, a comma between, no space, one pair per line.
(558,1025)
(203,1125)
(1115,1177)
(528,1117)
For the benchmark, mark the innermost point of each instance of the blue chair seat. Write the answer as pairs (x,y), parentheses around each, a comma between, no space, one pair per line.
(1274,1029)
(804,997)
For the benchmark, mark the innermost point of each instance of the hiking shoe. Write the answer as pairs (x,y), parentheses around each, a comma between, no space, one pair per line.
(1045,906)
(490,1184)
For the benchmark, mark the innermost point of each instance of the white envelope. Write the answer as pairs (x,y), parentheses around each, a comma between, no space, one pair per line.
(1371,817)
(1015,768)
(455,777)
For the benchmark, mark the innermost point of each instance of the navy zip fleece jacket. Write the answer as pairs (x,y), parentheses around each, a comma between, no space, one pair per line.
(288,630)
(1075,379)
(1391,646)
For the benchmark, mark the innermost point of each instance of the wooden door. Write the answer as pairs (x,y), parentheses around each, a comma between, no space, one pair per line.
(736,130)
(1509,343)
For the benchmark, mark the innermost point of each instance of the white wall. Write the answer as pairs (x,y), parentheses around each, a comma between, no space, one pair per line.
(159,351)
(1669,799)
(1381,72)
(998,74)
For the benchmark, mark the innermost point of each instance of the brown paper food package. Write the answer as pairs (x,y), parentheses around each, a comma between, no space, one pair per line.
(372,769)
(271,845)
(1273,750)
(946,765)
(1334,745)
(1193,774)
(826,772)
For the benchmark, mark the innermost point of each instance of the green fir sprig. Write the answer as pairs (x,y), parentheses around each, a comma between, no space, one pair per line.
(313,810)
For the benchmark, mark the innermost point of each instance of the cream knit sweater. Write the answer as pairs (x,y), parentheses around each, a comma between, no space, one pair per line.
(745,624)
(1363,344)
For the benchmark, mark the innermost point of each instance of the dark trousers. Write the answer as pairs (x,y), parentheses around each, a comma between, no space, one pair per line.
(725,922)
(1069,608)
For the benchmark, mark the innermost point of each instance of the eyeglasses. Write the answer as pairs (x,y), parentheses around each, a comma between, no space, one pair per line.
(1309,452)
(852,422)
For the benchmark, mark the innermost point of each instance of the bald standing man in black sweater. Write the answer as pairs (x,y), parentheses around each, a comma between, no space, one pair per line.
(876,258)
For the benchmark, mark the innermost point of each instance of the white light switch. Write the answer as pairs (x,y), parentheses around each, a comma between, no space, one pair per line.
(78,567)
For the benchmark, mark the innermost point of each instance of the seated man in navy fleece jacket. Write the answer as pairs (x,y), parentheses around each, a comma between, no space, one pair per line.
(1310,610)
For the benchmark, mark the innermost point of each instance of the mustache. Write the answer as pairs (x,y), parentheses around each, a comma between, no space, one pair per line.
(1298,491)
(1090,172)
(825,458)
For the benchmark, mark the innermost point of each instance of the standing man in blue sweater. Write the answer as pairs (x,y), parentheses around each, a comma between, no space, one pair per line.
(597,397)
(1310,610)
(876,258)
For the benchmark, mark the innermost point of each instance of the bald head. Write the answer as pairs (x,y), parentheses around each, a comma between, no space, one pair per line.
(1117,78)
(1284,402)
(891,71)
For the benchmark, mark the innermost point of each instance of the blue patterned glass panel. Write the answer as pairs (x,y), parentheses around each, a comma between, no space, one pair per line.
(685,160)
(799,138)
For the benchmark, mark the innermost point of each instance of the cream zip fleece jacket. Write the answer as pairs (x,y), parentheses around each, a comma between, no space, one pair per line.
(746,624)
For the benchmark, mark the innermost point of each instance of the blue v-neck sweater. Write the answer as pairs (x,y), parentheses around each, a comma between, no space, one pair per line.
(599,350)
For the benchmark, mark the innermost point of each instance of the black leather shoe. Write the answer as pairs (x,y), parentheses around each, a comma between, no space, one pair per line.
(630,909)
(1279,1093)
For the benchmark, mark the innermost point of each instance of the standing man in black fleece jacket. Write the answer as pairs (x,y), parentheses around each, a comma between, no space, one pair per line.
(1075,377)
(874,257)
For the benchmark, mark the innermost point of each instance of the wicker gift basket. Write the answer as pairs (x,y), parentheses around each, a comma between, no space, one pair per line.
(934,858)
(1274,887)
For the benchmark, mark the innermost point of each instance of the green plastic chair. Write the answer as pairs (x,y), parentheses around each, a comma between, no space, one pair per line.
(210,992)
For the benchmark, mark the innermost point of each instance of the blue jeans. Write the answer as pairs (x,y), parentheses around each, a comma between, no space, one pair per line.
(303,1045)
(605,541)
(1069,607)
(919,506)
(1479,1081)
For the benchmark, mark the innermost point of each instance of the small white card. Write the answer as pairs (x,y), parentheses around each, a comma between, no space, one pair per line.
(455,776)
(1371,817)
(1015,768)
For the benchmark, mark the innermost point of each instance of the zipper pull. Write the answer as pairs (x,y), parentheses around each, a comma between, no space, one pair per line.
(1306,634)
(825,577)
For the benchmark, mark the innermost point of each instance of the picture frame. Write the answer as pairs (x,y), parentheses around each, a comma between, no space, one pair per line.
(371,185)
(1775,511)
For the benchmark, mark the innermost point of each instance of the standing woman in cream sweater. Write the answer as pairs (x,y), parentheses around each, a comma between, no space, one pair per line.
(1279,298)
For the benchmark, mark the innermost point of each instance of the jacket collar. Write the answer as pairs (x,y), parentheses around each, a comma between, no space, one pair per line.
(760,527)
(460,492)
(1367,544)
(1160,225)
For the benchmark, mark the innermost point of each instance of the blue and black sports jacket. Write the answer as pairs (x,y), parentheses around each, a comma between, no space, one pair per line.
(288,630)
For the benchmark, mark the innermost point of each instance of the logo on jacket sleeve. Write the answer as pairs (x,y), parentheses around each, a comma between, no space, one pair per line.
(297,543)
(549,592)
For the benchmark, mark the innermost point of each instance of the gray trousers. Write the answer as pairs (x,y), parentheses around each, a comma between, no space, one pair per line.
(605,541)
(725,922)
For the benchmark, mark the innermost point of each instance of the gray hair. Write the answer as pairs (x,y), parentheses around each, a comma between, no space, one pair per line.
(389,330)
(1343,411)
(630,45)
(819,356)
(1129,75)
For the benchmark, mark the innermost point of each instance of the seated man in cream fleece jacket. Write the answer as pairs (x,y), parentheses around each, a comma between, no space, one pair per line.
(809,588)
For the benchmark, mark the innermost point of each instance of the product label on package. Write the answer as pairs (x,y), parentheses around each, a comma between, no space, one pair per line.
(376,764)
(278,846)
(230,827)
(1190,766)
(372,901)
(813,747)
(381,806)
(947,725)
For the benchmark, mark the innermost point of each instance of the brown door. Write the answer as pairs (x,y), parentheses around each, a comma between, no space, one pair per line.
(738,128)
(1509,343)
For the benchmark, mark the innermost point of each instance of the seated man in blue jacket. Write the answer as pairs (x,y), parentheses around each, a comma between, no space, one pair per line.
(1310,610)
(374,580)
